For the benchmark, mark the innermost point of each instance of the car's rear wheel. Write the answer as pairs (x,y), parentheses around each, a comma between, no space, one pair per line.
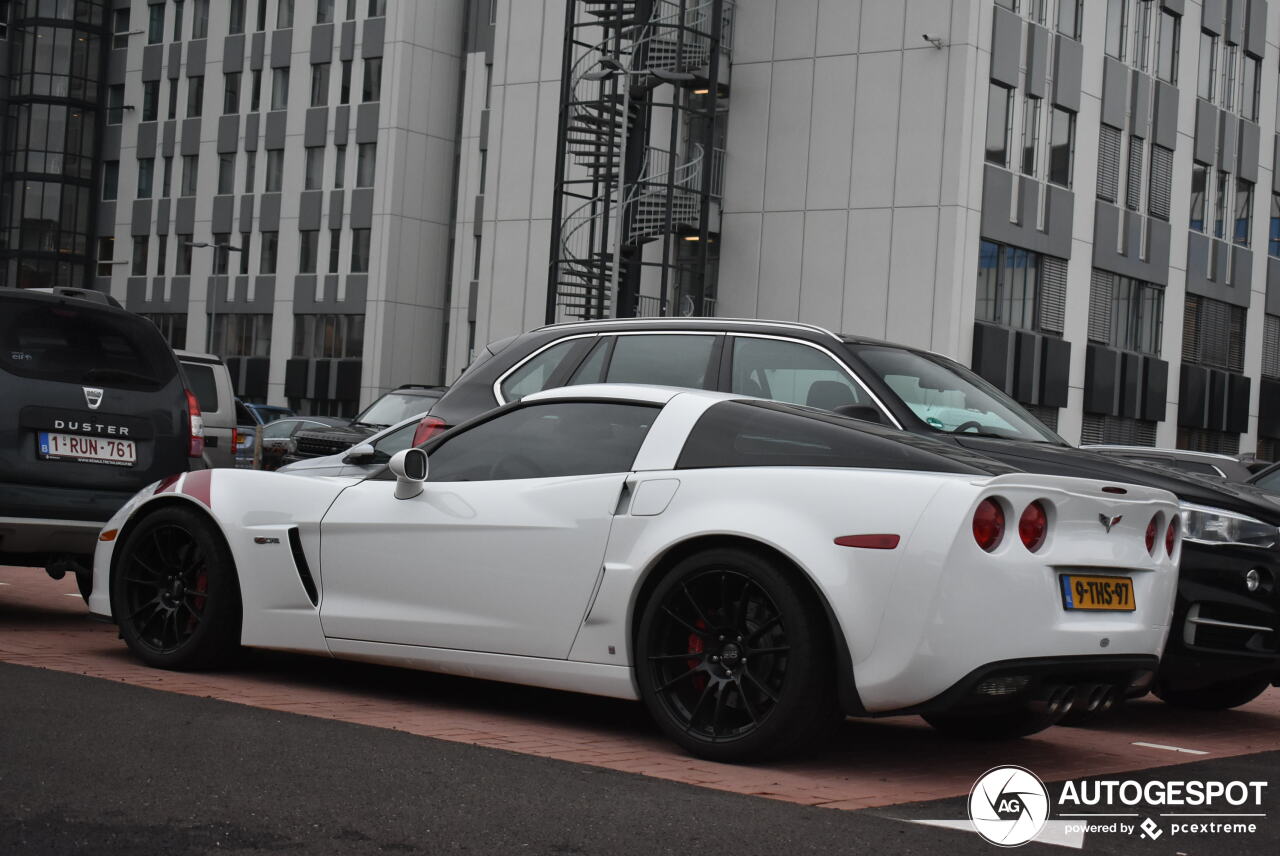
(1222,696)
(174,592)
(1002,725)
(734,658)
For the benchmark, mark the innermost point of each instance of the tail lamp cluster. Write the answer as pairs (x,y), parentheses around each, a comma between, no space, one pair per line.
(1033,527)
(195,427)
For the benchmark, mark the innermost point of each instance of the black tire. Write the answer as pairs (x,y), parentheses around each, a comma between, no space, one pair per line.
(1223,696)
(1002,725)
(84,582)
(174,592)
(734,658)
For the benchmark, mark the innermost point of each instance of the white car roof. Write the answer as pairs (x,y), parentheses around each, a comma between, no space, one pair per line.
(628,392)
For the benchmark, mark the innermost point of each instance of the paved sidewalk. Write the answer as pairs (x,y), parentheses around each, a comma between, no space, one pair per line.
(870,763)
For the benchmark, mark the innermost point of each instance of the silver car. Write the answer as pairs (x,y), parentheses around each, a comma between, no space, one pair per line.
(362,459)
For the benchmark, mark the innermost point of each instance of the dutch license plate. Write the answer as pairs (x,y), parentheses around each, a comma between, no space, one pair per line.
(1097,593)
(87,450)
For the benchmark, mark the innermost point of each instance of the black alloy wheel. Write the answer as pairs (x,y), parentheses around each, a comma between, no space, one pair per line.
(733,660)
(174,592)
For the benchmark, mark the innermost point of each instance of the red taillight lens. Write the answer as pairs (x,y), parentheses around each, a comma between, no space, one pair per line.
(1171,535)
(195,427)
(1033,525)
(235,438)
(988,524)
(429,427)
(1153,529)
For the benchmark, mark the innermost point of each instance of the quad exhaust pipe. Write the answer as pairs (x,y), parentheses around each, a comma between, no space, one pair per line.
(1059,700)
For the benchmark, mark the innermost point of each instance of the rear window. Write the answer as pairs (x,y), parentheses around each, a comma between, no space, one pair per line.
(73,345)
(763,434)
(203,384)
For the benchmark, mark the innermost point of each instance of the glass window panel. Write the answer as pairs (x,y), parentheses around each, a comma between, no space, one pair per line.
(279,88)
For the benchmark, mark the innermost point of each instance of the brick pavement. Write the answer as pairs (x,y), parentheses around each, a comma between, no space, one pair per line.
(870,762)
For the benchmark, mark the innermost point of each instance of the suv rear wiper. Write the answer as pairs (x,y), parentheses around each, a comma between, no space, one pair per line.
(117,374)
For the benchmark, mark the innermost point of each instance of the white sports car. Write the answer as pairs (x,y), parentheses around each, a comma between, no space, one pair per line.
(751,570)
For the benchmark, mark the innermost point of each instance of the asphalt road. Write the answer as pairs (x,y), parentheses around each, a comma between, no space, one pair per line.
(90,766)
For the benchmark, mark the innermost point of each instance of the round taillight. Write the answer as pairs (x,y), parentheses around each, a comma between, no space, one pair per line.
(1153,529)
(1171,535)
(988,524)
(1033,525)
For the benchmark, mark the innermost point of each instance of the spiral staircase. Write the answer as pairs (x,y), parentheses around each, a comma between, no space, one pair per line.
(618,54)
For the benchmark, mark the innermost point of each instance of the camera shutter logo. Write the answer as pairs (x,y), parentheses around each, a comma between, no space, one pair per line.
(1008,806)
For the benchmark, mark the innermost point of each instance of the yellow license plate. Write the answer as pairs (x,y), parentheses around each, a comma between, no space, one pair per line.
(1097,593)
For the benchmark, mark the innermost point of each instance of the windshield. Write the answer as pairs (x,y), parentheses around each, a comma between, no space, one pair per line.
(951,399)
(393,407)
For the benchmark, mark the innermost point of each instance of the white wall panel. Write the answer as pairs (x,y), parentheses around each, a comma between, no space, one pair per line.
(523,43)
(753,27)
(822,269)
(831,137)
(739,265)
(795,30)
(514,175)
(788,140)
(866,271)
(914,254)
(781,242)
(838,26)
(881,26)
(875,129)
(921,139)
(748,137)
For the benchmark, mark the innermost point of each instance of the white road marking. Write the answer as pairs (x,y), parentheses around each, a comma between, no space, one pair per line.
(1213,814)
(1171,748)
(1054,832)
(4,584)
(70,594)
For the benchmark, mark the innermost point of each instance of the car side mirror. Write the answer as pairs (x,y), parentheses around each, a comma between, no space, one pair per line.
(410,469)
(360,454)
(859,411)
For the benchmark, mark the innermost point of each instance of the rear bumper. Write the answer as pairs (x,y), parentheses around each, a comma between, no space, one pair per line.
(39,522)
(31,541)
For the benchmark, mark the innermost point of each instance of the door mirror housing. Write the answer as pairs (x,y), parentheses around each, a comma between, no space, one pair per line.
(359,454)
(410,469)
(860,411)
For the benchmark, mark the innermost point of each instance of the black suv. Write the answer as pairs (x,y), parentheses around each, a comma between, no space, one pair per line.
(94,409)
(407,400)
(1223,646)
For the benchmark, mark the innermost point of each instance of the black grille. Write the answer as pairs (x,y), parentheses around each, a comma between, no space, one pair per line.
(314,447)
(304,570)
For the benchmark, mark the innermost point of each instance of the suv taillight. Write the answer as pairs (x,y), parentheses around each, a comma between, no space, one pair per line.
(429,427)
(195,427)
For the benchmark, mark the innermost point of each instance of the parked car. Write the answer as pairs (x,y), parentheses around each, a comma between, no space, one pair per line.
(730,560)
(94,408)
(368,456)
(1225,648)
(208,378)
(402,402)
(249,417)
(277,436)
(1205,464)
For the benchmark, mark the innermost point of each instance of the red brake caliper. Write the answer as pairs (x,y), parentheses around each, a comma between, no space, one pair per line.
(695,647)
(202,586)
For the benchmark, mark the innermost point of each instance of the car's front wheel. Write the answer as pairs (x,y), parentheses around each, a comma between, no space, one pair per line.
(1222,696)
(734,658)
(174,593)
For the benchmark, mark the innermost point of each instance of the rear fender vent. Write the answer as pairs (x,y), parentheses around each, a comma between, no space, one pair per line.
(304,570)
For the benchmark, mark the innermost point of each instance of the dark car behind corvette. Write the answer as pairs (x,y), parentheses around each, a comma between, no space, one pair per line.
(1223,648)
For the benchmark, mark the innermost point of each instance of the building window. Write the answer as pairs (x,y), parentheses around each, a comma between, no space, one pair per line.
(236,24)
(162,254)
(1273,244)
(262,16)
(177,20)
(155,25)
(200,20)
(321,337)
(377,8)
(195,97)
(173,99)
(335,249)
(1243,211)
(1030,135)
(1271,347)
(140,244)
(1110,141)
(360,250)
(270,252)
(172,325)
(308,250)
(111,184)
(106,255)
(284,14)
(231,92)
(255,91)
(1169,38)
(227,173)
(1199,196)
(320,84)
(1133,175)
(1220,205)
(1161,182)
(366,164)
(324,11)
(240,334)
(1069,12)
(221,242)
(340,167)
(279,88)
(115,104)
(372,79)
(184,256)
(1142,37)
(150,99)
(999,116)
(344,91)
(1008,279)
(1230,58)
(190,172)
(1208,66)
(1062,142)
(1117,27)
(146,176)
(275,170)
(1126,313)
(313,178)
(167,180)
(1249,83)
(120,30)
(1213,334)
(250,170)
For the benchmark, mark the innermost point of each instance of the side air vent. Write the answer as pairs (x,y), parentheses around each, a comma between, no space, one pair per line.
(304,570)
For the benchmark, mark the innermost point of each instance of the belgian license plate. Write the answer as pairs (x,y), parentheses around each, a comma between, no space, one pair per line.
(1113,594)
(87,450)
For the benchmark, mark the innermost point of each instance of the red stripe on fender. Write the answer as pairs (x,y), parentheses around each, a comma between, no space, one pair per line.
(196,486)
(869,542)
(167,483)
